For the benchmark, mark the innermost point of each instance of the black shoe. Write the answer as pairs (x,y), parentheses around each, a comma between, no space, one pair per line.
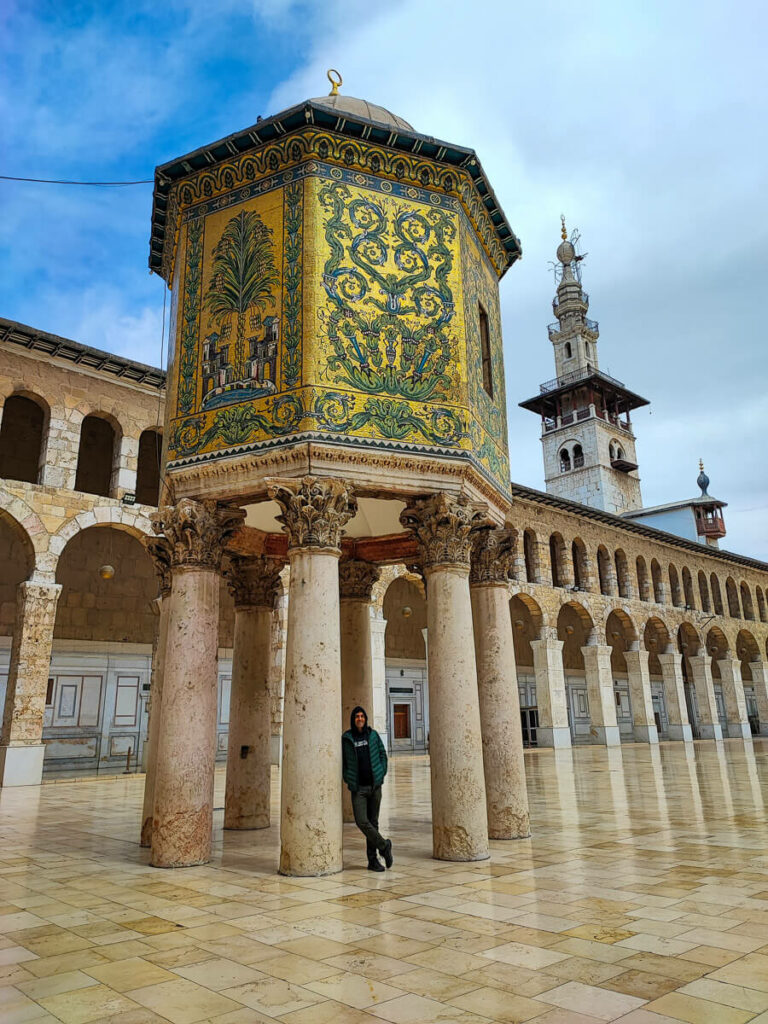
(387,854)
(374,864)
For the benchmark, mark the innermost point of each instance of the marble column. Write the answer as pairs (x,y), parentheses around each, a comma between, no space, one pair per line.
(314,513)
(709,722)
(551,698)
(356,579)
(378,627)
(21,741)
(733,695)
(759,671)
(674,693)
(160,553)
(254,584)
(602,702)
(502,735)
(195,534)
(643,722)
(442,525)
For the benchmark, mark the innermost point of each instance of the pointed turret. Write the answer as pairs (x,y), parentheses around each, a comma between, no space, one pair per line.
(589,447)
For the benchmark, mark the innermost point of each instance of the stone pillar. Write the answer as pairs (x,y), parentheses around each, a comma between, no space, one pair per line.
(709,723)
(195,534)
(21,742)
(502,734)
(733,694)
(160,553)
(254,584)
(674,693)
(551,698)
(314,513)
(643,722)
(759,672)
(602,702)
(442,524)
(356,578)
(378,627)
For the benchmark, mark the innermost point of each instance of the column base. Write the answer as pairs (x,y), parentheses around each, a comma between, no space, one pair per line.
(711,732)
(21,766)
(680,732)
(739,730)
(557,737)
(606,735)
(646,733)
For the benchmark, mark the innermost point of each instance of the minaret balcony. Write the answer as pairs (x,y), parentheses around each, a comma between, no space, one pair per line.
(586,326)
(583,373)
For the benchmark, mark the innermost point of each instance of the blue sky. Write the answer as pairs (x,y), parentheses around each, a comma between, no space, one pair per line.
(644,122)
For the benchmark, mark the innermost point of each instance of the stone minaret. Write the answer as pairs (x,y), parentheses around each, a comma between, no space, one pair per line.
(589,447)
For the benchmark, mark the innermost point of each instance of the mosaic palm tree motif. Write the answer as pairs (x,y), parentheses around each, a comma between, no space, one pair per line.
(243,278)
(390,300)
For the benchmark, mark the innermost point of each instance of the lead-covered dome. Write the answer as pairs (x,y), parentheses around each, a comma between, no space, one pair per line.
(342,104)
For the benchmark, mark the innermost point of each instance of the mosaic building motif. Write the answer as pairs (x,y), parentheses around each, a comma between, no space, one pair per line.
(331,304)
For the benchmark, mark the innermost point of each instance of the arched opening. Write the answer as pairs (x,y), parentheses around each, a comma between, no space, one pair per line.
(579,560)
(704,592)
(96,456)
(674,587)
(565,460)
(405,611)
(746,602)
(575,628)
(643,582)
(733,598)
(689,646)
(605,571)
(748,652)
(656,641)
(623,579)
(760,604)
(17,559)
(658,585)
(620,634)
(526,626)
(690,600)
(148,467)
(717,599)
(557,560)
(22,436)
(578,456)
(530,553)
(568,350)
(717,647)
(485,350)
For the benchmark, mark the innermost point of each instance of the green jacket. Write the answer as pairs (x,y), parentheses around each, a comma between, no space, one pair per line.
(349,759)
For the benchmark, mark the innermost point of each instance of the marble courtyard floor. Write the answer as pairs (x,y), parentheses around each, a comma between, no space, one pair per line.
(642,897)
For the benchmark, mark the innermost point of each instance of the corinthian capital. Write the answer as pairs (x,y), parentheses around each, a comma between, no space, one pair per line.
(253,582)
(493,556)
(315,510)
(443,525)
(159,550)
(356,578)
(196,532)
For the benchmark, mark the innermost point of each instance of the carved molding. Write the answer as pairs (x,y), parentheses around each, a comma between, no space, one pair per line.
(315,510)
(493,556)
(159,550)
(356,578)
(443,525)
(253,582)
(196,532)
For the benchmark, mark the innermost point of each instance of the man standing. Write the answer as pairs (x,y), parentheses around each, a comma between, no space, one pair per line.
(364,762)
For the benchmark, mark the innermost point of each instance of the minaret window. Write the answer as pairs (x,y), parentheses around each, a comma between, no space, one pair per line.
(565,461)
(578,456)
(485,349)
(568,350)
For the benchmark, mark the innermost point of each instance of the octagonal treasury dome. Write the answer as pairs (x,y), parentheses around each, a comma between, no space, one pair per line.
(355,107)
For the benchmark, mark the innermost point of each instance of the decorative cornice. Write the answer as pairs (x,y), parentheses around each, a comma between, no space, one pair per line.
(197,532)
(493,556)
(253,582)
(315,510)
(356,578)
(443,525)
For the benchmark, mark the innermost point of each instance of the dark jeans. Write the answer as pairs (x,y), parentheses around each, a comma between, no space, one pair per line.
(366,803)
